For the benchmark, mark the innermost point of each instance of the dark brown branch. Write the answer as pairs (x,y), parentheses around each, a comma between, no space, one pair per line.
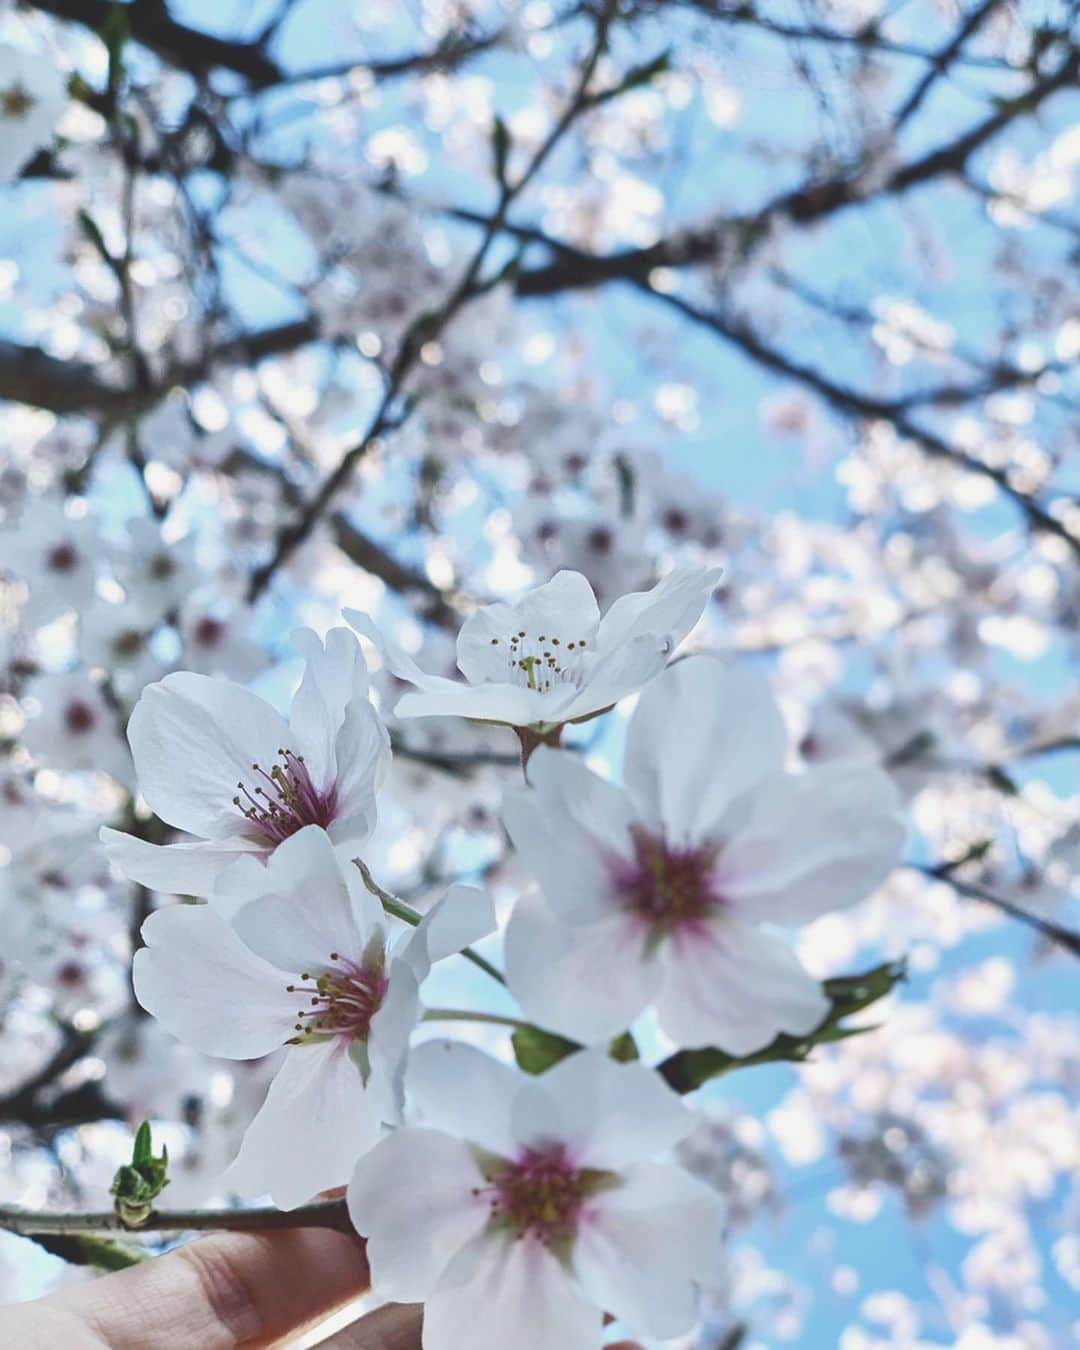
(573,269)
(853,402)
(322,1214)
(430,326)
(199,53)
(1057,933)
(943,61)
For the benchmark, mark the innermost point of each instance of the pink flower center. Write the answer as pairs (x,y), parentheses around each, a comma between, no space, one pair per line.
(79,717)
(286,800)
(338,1001)
(62,558)
(670,889)
(541,1194)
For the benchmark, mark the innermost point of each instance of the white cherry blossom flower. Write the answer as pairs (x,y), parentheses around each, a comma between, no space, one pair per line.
(520,1210)
(550,658)
(156,574)
(55,554)
(73,727)
(665,886)
(32,97)
(295,954)
(216,637)
(215,760)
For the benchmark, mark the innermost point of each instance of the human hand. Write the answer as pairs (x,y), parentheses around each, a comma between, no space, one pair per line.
(228,1290)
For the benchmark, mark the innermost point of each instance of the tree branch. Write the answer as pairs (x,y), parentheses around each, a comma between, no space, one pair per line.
(1057,933)
(851,401)
(574,269)
(429,327)
(322,1214)
(199,52)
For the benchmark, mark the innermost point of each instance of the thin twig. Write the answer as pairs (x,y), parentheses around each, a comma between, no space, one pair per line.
(1057,933)
(321,1214)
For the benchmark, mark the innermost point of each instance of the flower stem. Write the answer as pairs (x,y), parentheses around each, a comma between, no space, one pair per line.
(457,1015)
(400,910)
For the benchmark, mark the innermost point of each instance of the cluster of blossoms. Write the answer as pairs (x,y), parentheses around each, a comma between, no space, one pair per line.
(519,1208)
(205,286)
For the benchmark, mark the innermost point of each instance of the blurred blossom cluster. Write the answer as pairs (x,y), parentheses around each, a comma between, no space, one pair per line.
(404,311)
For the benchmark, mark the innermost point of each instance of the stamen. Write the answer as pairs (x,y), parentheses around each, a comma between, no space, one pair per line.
(540,1195)
(339,1001)
(288,801)
(537,663)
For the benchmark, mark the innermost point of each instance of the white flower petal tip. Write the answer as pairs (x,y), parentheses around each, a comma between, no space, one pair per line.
(464,915)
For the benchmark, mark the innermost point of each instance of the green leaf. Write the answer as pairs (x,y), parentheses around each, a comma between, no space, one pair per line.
(85,1249)
(848,994)
(537,1050)
(138,1184)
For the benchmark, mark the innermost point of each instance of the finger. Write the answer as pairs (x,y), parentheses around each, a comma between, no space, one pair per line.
(228,1290)
(393,1327)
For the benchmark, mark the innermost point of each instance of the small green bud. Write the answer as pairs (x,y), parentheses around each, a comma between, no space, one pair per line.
(138,1184)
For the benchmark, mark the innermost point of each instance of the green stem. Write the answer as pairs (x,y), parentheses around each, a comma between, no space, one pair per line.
(400,910)
(456,1015)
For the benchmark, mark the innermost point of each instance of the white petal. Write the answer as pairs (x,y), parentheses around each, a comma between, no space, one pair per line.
(812,842)
(737,989)
(398,662)
(333,675)
(388,1037)
(568,850)
(564,608)
(193,739)
(458,1089)
(208,988)
(414,1198)
(186,868)
(362,757)
(619,672)
(702,734)
(552,970)
(305,909)
(669,610)
(500,1293)
(642,1246)
(608,1114)
(464,915)
(516,706)
(316,1122)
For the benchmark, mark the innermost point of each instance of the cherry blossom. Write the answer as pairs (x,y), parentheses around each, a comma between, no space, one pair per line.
(218,762)
(541,1203)
(671,883)
(296,954)
(56,555)
(73,727)
(550,658)
(32,97)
